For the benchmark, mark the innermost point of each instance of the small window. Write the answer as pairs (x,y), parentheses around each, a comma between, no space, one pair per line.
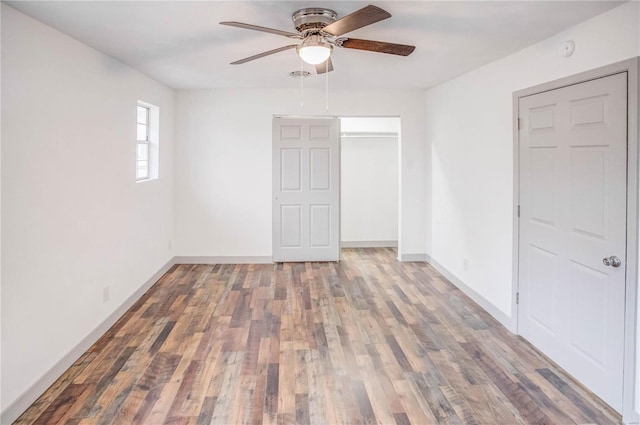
(147,139)
(142,146)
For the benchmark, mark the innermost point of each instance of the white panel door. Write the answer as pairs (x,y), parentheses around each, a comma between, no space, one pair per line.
(306,189)
(573,184)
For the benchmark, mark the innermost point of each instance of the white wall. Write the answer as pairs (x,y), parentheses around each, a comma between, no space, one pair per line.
(223,163)
(73,218)
(369,189)
(369,125)
(469,134)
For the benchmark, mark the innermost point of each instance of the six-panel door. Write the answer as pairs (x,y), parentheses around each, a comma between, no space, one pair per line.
(306,190)
(573,185)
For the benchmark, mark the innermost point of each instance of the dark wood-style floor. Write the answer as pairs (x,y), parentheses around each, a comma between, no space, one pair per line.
(368,340)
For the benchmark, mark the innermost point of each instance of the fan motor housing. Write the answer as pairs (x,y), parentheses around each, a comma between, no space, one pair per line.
(312,19)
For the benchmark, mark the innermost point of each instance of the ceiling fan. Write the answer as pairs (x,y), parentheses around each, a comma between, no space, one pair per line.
(320,31)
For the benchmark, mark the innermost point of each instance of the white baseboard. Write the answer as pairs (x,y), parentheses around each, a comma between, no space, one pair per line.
(369,244)
(412,257)
(223,260)
(26,399)
(494,311)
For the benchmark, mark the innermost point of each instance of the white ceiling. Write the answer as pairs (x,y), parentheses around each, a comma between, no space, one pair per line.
(180,43)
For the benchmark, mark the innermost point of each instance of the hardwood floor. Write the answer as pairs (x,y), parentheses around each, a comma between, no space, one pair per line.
(368,340)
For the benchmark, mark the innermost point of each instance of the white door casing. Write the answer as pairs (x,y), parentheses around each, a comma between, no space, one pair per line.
(306,189)
(573,188)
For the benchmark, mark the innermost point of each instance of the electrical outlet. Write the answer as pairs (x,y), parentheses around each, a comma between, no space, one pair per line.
(465,264)
(106,294)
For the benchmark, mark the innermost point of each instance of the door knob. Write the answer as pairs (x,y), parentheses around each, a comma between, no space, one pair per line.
(612,261)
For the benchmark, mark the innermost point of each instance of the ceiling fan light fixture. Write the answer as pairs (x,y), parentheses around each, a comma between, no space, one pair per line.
(320,31)
(314,51)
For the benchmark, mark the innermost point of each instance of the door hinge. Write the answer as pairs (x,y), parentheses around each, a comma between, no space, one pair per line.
(519,124)
(517,297)
(518,211)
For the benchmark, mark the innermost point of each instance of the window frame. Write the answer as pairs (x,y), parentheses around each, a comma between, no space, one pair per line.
(146,142)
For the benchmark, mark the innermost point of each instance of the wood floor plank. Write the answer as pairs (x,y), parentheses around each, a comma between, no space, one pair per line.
(287,381)
(591,410)
(413,404)
(229,387)
(368,340)
(561,402)
(130,407)
(206,411)
(60,406)
(383,404)
(317,396)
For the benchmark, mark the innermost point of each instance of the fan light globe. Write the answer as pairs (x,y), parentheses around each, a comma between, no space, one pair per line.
(314,55)
(314,50)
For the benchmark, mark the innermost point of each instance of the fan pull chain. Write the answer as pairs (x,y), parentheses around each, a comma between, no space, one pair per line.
(326,86)
(301,83)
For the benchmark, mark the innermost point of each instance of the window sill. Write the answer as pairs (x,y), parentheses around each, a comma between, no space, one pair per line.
(150,179)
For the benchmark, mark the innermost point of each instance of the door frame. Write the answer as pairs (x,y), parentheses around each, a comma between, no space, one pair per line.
(630,66)
(400,256)
(399,199)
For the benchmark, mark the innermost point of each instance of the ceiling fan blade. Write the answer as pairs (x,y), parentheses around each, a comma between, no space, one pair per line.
(263,29)
(263,54)
(360,18)
(321,68)
(378,46)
